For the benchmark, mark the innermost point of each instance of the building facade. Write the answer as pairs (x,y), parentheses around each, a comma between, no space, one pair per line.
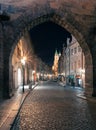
(22,50)
(75,64)
(82,25)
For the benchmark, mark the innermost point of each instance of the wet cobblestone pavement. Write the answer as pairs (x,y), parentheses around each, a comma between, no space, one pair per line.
(52,107)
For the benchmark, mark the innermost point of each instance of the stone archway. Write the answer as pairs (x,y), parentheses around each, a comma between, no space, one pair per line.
(61,21)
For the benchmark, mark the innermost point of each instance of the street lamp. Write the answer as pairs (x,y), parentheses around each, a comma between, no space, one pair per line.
(23,61)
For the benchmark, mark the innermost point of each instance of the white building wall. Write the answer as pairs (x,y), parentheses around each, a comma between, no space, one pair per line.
(75,63)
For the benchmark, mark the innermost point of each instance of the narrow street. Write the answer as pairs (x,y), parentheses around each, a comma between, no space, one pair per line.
(52,107)
(47,65)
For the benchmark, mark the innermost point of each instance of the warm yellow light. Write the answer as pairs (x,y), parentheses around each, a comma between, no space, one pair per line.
(23,60)
(52,67)
(33,71)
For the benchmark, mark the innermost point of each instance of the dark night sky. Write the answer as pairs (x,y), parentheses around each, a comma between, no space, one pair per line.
(46,38)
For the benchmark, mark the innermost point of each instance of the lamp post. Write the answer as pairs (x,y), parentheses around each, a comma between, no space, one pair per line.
(23,61)
(33,73)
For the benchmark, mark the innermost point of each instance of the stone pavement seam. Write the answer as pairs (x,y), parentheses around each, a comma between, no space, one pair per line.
(19,109)
(18,105)
(12,125)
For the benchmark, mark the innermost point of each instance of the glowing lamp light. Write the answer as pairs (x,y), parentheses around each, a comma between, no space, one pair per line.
(23,60)
(33,71)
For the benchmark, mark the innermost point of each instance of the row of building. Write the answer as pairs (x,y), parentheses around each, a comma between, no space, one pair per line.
(70,64)
(26,66)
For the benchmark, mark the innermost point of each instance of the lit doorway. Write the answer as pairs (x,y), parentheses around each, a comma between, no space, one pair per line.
(19,77)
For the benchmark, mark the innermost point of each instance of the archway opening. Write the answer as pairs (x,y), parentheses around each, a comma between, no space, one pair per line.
(49,37)
(55,19)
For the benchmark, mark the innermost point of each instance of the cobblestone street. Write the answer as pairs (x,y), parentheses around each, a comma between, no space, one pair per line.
(52,107)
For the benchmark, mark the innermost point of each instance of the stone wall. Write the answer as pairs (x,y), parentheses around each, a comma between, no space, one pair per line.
(73,16)
(1,61)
